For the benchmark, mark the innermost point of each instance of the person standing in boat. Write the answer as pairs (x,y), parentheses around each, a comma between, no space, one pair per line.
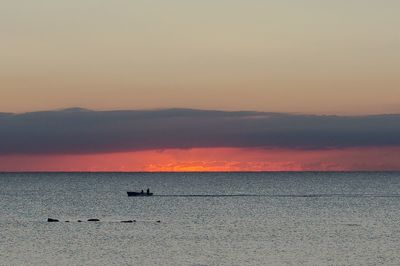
(141,192)
(148,191)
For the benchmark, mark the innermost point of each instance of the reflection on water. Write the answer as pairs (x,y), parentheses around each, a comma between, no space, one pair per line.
(205,219)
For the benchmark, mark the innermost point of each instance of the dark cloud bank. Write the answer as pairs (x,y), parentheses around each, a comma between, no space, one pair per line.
(83,131)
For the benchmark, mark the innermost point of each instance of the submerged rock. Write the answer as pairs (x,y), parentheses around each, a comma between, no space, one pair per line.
(50,220)
(67,221)
(93,220)
(79,221)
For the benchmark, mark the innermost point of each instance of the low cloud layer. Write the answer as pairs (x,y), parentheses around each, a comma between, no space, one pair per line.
(79,131)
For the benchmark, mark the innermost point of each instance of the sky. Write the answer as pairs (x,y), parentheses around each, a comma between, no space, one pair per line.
(289,62)
(196,140)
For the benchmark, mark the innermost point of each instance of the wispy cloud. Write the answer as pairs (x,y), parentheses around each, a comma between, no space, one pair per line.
(79,131)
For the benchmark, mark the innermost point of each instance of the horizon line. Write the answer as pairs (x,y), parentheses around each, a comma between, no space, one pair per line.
(201,172)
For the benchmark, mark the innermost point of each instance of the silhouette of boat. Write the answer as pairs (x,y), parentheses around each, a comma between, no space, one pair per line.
(139,194)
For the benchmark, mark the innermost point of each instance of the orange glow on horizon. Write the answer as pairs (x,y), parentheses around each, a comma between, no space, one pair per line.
(211,160)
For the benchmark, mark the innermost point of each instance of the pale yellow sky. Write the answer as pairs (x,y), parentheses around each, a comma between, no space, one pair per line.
(291,56)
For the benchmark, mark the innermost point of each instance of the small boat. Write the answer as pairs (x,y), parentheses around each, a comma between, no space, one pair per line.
(139,194)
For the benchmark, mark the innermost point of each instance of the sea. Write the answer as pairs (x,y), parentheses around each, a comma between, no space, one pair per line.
(266,218)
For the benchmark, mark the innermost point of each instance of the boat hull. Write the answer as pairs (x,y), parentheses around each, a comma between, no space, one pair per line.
(138,194)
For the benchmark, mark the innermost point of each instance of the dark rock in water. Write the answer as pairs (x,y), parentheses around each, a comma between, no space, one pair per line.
(93,220)
(129,221)
(134,221)
(158,221)
(79,221)
(50,220)
(67,221)
(353,224)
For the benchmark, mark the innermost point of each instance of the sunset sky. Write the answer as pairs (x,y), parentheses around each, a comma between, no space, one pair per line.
(320,80)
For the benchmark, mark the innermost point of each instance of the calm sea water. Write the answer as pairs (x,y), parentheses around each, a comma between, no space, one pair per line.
(206,219)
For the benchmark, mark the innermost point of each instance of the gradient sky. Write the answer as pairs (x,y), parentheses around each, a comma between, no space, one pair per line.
(290,57)
(311,56)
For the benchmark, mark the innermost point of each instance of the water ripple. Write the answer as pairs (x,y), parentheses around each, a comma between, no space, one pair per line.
(282,195)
